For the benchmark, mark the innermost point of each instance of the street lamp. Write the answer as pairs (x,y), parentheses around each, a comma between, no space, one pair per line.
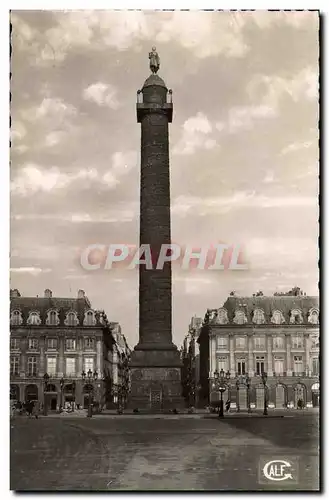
(61,382)
(264,380)
(91,377)
(220,384)
(45,388)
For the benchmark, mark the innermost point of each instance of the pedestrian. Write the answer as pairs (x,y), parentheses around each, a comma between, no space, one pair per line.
(29,408)
(228,405)
(36,409)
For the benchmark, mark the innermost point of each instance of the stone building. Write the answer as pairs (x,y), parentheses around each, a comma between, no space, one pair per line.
(60,337)
(116,367)
(278,335)
(190,363)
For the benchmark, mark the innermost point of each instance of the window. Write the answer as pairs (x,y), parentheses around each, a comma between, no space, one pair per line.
(298,364)
(32,366)
(259,342)
(89,318)
(258,317)
(297,342)
(70,366)
(34,319)
(71,319)
(278,366)
(239,318)
(315,366)
(14,343)
(70,344)
(260,365)
(33,344)
(51,365)
(16,318)
(89,364)
(222,363)
(14,365)
(277,318)
(296,317)
(278,343)
(241,366)
(52,318)
(52,343)
(89,343)
(240,342)
(221,342)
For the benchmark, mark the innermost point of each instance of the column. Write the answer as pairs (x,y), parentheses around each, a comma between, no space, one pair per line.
(288,350)
(251,367)
(61,368)
(42,364)
(99,367)
(80,366)
(232,358)
(307,367)
(23,360)
(269,357)
(212,355)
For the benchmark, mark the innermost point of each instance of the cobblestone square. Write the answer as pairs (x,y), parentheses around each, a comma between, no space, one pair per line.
(109,453)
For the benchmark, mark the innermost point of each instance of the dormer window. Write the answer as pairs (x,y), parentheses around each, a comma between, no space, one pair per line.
(239,318)
(52,318)
(71,319)
(277,318)
(222,318)
(296,317)
(313,317)
(89,319)
(258,317)
(34,318)
(16,318)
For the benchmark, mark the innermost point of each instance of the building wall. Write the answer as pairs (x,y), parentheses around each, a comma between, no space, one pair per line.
(287,350)
(61,351)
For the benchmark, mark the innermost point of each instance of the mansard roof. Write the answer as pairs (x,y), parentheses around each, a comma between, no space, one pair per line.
(269,304)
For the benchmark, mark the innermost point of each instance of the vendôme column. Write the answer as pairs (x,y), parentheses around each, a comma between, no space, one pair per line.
(155,361)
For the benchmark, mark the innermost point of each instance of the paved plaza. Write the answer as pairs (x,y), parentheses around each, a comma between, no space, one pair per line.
(136,452)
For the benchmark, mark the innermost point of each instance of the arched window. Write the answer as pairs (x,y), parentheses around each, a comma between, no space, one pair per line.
(52,318)
(277,318)
(296,317)
(16,318)
(258,317)
(222,318)
(313,316)
(34,318)
(240,317)
(71,319)
(89,319)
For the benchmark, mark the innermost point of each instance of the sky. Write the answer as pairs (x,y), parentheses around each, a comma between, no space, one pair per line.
(243,150)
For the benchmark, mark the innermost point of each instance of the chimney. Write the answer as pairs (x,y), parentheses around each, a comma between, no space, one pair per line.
(48,294)
(81,294)
(14,293)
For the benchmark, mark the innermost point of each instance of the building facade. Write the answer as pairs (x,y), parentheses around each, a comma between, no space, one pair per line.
(276,335)
(116,368)
(190,363)
(60,338)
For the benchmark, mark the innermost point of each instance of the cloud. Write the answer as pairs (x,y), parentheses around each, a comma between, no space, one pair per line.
(183,205)
(103,94)
(29,270)
(193,137)
(204,33)
(33,178)
(296,146)
(269,90)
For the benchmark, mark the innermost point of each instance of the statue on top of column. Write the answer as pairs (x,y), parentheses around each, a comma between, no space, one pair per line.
(154,60)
